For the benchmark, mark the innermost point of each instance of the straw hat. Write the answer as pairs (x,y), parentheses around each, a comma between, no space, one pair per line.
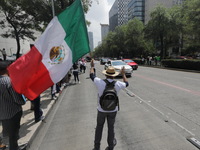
(110,71)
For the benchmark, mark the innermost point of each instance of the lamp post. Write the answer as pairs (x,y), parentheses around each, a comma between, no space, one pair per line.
(53,10)
(11,54)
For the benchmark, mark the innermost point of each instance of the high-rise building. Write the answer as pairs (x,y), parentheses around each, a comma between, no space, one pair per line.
(151,4)
(136,9)
(91,43)
(104,30)
(118,14)
(122,11)
(113,16)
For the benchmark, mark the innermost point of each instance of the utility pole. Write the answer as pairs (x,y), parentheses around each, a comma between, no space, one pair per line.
(53,10)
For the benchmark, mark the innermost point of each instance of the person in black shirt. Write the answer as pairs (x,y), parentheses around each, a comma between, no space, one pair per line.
(10,107)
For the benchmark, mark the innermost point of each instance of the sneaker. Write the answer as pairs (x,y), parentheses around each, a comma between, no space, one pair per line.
(40,119)
(2,146)
(107,148)
(96,149)
(55,97)
(79,82)
(115,142)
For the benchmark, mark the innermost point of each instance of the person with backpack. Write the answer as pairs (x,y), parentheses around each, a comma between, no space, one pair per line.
(108,103)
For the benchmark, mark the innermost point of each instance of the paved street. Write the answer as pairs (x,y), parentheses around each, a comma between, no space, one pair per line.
(160,116)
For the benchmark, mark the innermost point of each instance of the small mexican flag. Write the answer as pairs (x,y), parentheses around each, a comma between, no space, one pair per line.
(64,41)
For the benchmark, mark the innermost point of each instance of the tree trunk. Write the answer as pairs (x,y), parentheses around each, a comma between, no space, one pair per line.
(18,46)
(162,47)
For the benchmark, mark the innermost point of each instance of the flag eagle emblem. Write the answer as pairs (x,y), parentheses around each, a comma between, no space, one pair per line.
(57,54)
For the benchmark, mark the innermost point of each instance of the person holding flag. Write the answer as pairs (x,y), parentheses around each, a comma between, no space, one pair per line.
(63,42)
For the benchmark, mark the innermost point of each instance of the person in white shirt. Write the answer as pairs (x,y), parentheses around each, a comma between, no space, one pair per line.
(102,115)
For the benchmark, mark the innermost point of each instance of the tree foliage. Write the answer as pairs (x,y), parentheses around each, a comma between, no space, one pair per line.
(126,41)
(176,29)
(22,17)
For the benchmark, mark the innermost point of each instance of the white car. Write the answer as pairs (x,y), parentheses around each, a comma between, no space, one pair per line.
(118,64)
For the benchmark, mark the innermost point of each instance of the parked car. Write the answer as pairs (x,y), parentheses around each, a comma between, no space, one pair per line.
(103,61)
(118,64)
(130,62)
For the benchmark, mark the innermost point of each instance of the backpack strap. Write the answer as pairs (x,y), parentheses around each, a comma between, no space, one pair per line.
(109,83)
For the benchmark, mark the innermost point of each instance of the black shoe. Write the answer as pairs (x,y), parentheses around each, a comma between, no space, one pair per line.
(107,148)
(115,142)
(96,149)
(40,119)
(22,147)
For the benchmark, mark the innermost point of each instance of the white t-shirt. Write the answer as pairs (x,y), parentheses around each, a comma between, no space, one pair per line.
(100,84)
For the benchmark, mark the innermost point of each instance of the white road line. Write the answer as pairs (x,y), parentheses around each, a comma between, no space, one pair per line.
(183,128)
(192,78)
(166,116)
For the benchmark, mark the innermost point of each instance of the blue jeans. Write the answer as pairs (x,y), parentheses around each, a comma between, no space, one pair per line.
(101,117)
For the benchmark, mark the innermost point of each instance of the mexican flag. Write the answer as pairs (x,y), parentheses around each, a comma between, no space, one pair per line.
(64,41)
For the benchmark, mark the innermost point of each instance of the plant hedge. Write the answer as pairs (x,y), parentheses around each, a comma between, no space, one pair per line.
(189,64)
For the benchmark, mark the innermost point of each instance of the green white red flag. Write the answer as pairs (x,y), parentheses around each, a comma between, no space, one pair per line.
(64,41)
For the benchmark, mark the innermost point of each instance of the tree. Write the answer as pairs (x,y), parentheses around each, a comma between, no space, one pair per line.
(134,38)
(191,16)
(22,17)
(19,24)
(158,27)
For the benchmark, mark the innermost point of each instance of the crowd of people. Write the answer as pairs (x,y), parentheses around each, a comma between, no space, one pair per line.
(11,108)
(11,103)
(151,61)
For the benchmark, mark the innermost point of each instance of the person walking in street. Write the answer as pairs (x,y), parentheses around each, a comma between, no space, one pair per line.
(75,73)
(10,107)
(102,114)
(38,113)
(4,54)
(83,65)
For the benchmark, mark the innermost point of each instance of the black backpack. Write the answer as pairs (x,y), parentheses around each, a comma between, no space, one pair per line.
(109,99)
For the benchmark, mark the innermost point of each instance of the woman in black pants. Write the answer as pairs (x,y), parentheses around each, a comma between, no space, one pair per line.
(75,72)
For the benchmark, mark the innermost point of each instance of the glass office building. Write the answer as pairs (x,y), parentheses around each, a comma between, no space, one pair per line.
(136,9)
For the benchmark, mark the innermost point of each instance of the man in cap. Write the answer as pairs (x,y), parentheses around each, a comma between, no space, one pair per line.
(102,114)
(10,107)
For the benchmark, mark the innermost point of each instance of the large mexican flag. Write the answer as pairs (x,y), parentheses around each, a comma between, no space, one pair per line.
(64,41)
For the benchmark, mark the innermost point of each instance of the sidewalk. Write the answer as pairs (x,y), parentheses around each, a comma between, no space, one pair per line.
(28,126)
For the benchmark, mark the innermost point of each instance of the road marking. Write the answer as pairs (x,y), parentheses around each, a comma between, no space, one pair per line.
(170,85)
(194,141)
(192,78)
(166,117)
(183,128)
(131,94)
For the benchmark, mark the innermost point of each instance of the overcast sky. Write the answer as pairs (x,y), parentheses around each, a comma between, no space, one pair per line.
(98,14)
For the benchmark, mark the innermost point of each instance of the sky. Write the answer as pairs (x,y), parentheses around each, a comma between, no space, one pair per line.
(98,14)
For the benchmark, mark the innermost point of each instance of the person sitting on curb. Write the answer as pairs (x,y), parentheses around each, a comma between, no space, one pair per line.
(102,114)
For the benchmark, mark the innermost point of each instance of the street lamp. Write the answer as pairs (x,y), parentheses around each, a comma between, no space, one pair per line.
(11,54)
(53,10)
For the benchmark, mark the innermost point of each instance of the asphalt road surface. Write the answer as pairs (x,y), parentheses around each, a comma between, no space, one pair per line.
(158,111)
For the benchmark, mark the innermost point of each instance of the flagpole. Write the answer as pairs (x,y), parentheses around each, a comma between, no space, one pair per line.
(53,10)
